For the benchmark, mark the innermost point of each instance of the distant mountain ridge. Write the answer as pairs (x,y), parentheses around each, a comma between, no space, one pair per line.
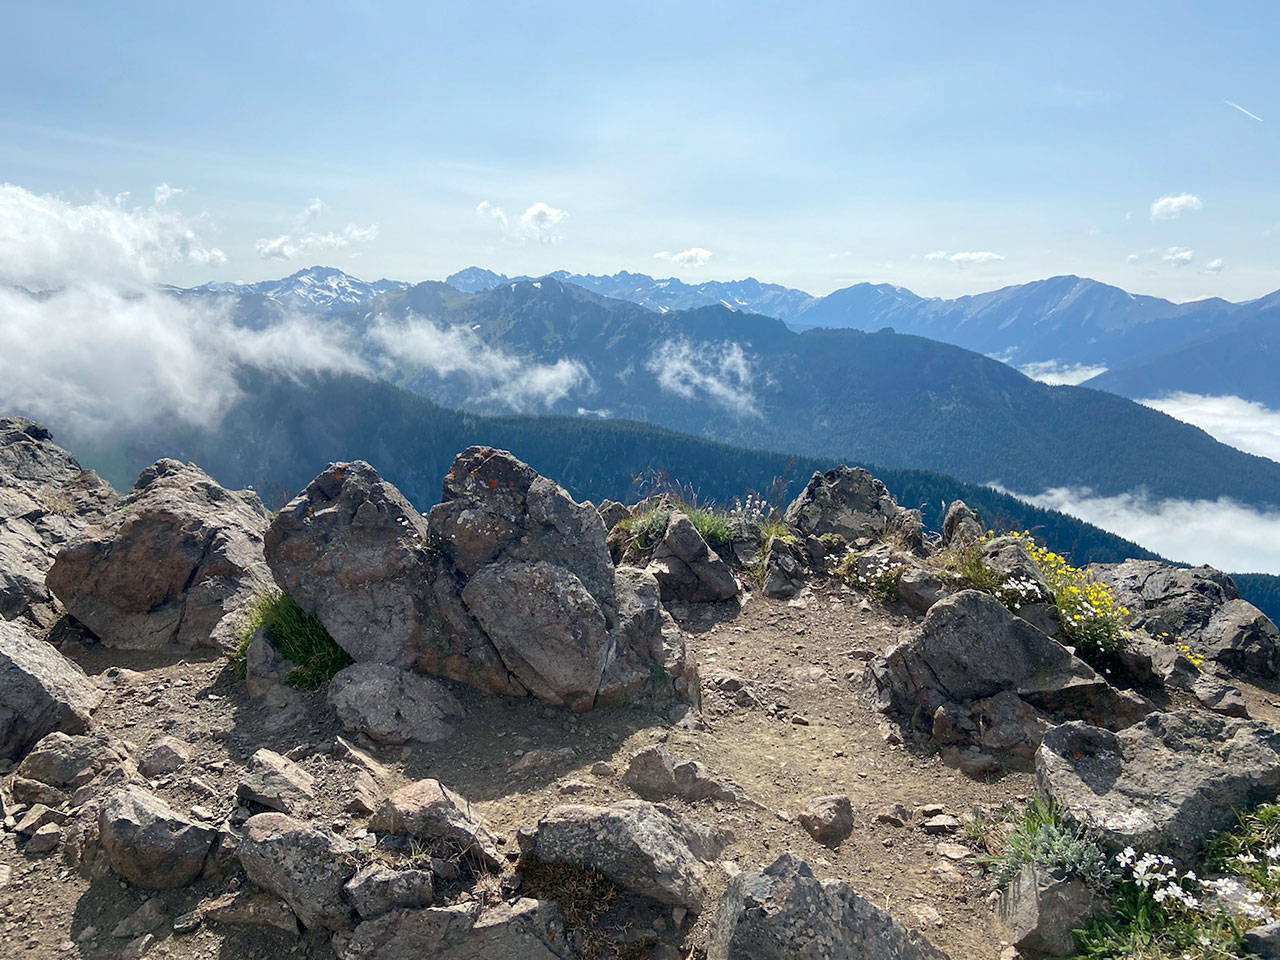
(313,289)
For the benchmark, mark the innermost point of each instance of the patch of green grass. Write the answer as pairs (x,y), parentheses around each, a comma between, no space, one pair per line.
(1041,835)
(966,564)
(774,528)
(1142,928)
(646,530)
(585,897)
(713,526)
(298,636)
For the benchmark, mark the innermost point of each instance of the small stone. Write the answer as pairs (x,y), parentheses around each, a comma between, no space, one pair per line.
(829,820)
(187,923)
(164,756)
(953,851)
(45,839)
(942,823)
(145,919)
(799,720)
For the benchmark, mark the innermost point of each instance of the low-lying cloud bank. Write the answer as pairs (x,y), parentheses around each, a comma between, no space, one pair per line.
(1221,533)
(1243,424)
(1062,374)
(722,373)
(91,345)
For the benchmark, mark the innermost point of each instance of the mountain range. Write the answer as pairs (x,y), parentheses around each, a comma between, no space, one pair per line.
(1064,329)
(892,399)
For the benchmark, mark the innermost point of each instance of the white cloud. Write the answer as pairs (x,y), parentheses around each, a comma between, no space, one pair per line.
(1172,206)
(1221,533)
(1178,256)
(311,212)
(1133,258)
(287,246)
(1058,373)
(46,242)
(101,349)
(1243,424)
(164,193)
(693,257)
(722,373)
(1215,265)
(491,374)
(539,223)
(965,257)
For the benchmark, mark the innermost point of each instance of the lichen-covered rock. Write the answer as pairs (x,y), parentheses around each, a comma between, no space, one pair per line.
(848,502)
(508,586)
(969,649)
(428,810)
(392,705)
(526,929)
(784,912)
(176,562)
(1163,785)
(378,888)
(306,866)
(1200,607)
(40,691)
(643,847)
(46,500)
(147,843)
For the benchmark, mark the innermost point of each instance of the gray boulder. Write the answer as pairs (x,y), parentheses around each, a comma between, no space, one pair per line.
(961,526)
(919,588)
(846,501)
(655,774)
(525,929)
(1163,785)
(645,848)
(46,500)
(176,562)
(306,866)
(378,888)
(784,912)
(784,571)
(971,648)
(428,810)
(507,587)
(392,705)
(829,820)
(69,762)
(1199,606)
(40,691)
(1038,910)
(275,782)
(687,569)
(149,844)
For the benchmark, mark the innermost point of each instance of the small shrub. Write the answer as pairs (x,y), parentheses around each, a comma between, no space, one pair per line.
(646,530)
(713,526)
(881,581)
(966,564)
(585,897)
(299,637)
(1041,835)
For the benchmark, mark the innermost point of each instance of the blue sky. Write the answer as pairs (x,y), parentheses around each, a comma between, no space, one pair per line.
(812,144)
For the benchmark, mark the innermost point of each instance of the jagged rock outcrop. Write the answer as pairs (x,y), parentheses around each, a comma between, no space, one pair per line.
(508,586)
(392,705)
(645,848)
(307,866)
(1200,607)
(784,912)
(527,929)
(961,525)
(46,500)
(176,562)
(686,568)
(850,503)
(40,691)
(971,657)
(1163,785)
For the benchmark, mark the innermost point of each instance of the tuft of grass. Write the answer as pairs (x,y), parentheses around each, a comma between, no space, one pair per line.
(713,526)
(966,564)
(646,530)
(880,582)
(1040,834)
(298,636)
(585,897)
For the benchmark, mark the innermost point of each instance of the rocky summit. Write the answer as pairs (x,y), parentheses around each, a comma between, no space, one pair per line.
(522,726)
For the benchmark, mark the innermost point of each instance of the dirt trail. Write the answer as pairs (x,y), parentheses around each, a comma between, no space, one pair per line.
(801,730)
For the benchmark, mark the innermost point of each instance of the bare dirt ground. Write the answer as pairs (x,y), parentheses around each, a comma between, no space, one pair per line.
(801,730)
